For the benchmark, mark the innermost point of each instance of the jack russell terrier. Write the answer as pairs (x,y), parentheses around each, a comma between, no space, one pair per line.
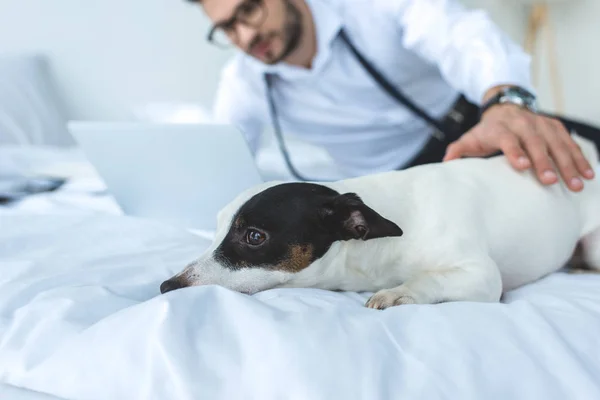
(465,230)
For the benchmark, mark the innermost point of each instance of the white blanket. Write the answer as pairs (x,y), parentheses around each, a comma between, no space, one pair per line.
(81,318)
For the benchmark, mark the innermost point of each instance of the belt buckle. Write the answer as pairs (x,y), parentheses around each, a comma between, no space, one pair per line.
(439,135)
(456,116)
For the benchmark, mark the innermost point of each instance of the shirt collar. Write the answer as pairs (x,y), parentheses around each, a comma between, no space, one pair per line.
(327,24)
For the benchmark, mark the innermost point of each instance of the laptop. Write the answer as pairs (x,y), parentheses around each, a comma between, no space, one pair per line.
(181,174)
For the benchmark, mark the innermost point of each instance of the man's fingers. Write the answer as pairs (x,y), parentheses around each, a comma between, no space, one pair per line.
(536,147)
(468,145)
(500,139)
(464,145)
(543,144)
(581,163)
(513,150)
(564,159)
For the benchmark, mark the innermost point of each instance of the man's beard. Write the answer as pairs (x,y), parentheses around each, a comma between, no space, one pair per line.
(292,30)
(291,35)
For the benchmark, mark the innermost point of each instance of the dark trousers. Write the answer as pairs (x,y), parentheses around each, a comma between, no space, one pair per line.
(468,117)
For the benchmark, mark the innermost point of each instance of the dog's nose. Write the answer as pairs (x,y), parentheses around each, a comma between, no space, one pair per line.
(171,284)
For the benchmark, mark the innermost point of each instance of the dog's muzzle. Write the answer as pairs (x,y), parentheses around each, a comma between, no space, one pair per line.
(169,285)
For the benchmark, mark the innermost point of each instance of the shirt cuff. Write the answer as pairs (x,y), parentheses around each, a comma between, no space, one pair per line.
(513,70)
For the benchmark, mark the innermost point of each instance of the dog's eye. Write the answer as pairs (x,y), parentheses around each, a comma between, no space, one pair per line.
(254,237)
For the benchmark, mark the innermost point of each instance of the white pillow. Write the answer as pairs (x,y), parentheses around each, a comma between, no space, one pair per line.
(31,112)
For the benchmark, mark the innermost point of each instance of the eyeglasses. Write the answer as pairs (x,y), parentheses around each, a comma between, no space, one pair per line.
(251,13)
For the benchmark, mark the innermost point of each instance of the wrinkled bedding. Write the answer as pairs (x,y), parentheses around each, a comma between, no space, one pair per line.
(81,317)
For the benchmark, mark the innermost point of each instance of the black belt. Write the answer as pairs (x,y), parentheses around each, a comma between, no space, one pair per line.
(444,131)
(462,116)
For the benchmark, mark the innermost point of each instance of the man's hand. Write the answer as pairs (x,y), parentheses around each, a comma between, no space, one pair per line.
(527,140)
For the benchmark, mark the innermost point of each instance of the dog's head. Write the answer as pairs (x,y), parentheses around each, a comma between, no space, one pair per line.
(278,233)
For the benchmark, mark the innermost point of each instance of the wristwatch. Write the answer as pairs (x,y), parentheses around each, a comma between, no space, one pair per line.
(512,95)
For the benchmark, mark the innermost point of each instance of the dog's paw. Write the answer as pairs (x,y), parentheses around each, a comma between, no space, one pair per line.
(389,298)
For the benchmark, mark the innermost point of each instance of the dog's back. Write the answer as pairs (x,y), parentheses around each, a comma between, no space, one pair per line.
(589,200)
(529,229)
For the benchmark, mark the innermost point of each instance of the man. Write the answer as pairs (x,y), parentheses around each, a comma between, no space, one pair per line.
(338,73)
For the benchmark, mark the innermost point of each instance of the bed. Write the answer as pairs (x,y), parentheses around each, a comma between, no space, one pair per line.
(81,318)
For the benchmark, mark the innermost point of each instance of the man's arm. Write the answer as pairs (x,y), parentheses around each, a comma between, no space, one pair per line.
(477,58)
(471,52)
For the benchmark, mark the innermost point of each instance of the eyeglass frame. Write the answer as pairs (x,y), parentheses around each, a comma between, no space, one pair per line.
(235,18)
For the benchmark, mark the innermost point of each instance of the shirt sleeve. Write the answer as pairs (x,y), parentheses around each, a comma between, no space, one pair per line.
(239,103)
(472,53)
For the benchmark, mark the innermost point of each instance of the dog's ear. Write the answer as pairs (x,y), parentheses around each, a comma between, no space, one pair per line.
(347,217)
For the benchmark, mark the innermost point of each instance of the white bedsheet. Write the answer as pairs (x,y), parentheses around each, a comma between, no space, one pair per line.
(81,318)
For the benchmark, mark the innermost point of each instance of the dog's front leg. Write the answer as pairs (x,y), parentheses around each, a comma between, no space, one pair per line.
(478,280)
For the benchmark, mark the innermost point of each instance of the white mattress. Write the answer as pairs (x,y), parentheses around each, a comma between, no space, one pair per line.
(81,318)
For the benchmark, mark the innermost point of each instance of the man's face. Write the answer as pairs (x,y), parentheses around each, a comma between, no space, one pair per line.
(268,30)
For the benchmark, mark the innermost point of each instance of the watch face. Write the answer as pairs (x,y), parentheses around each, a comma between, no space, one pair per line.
(520,96)
(520,92)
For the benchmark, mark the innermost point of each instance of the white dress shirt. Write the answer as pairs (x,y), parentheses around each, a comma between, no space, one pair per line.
(431,49)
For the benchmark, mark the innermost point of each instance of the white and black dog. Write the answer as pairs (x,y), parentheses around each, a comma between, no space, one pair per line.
(465,230)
